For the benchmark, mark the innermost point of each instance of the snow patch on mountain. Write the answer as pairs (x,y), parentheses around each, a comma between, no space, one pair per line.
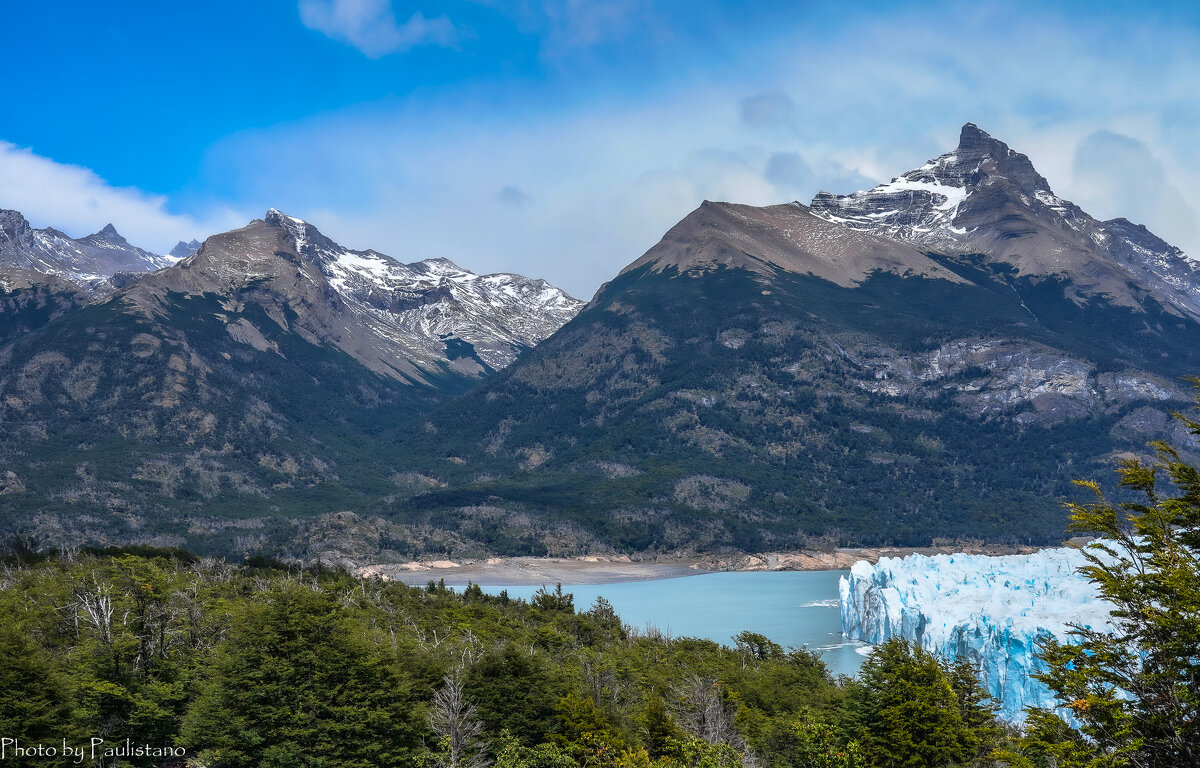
(426,306)
(88,261)
(991,611)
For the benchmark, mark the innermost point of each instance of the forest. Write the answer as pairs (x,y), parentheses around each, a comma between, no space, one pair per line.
(147,658)
(152,657)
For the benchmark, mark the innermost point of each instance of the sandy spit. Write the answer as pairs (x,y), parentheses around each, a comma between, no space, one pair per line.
(606,569)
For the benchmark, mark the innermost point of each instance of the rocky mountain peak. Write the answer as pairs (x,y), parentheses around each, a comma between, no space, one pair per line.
(394,318)
(306,238)
(985,198)
(182,250)
(980,158)
(86,262)
(12,225)
(108,237)
(973,140)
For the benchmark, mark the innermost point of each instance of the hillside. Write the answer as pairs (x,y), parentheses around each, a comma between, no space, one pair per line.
(776,377)
(222,401)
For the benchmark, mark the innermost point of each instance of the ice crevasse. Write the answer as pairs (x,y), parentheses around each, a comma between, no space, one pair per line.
(991,611)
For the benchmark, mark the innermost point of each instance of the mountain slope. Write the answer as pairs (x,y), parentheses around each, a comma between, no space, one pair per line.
(225,398)
(30,299)
(407,321)
(785,376)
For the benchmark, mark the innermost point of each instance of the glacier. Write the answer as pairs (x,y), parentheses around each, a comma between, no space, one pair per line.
(991,611)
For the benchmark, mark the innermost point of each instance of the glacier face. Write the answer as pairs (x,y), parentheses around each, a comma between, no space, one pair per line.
(991,611)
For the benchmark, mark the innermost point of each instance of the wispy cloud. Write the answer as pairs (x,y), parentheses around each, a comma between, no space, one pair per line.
(567,25)
(77,201)
(1118,175)
(371,26)
(769,108)
(510,195)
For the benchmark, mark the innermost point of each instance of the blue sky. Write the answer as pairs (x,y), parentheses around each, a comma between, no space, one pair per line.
(561,138)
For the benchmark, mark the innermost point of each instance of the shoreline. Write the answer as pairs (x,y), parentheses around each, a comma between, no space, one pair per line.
(608,569)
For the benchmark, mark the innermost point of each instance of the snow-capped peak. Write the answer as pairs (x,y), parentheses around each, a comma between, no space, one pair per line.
(983,197)
(385,310)
(87,261)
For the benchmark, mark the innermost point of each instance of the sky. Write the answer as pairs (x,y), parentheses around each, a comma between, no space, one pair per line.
(562,138)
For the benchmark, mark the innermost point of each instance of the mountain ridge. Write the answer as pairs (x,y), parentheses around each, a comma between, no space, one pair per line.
(245,388)
(984,197)
(733,389)
(87,261)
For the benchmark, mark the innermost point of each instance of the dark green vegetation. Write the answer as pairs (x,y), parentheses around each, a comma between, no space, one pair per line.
(121,427)
(713,409)
(258,666)
(26,308)
(721,408)
(1136,692)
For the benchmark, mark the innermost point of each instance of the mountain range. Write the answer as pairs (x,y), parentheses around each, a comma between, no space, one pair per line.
(252,380)
(87,262)
(937,357)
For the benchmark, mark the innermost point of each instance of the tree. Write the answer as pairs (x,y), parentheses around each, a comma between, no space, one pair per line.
(705,709)
(976,707)
(453,721)
(659,730)
(510,754)
(297,685)
(1135,691)
(34,706)
(808,740)
(514,690)
(906,712)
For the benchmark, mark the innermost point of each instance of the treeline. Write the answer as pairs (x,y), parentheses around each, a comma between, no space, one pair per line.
(260,665)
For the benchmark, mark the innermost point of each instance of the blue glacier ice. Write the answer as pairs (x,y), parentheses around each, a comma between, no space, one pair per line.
(991,611)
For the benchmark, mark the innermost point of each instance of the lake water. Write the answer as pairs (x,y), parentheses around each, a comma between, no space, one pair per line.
(794,609)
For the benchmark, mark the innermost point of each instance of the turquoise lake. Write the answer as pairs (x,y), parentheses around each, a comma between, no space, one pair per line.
(792,608)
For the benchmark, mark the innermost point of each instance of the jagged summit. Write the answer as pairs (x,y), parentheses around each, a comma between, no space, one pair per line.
(985,198)
(86,262)
(184,249)
(394,318)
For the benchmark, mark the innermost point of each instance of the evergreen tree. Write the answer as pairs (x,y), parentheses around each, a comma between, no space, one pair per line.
(906,711)
(976,708)
(298,685)
(1136,692)
(34,706)
(514,690)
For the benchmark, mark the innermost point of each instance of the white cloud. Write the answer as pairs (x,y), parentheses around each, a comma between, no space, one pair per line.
(568,25)
(77,201)
(371,27)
